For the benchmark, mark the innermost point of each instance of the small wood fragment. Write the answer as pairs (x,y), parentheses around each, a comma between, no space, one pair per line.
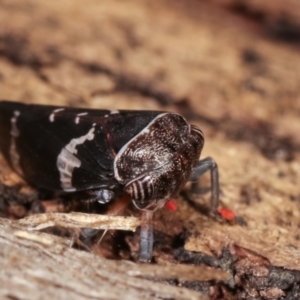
(79,220)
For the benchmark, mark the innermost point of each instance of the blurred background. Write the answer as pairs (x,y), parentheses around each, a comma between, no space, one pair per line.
(232,67)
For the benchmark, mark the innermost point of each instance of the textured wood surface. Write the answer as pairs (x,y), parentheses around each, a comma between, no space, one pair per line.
(43,266)
(232,69)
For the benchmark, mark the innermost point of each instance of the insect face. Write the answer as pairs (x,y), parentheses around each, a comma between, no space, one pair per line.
(158,162)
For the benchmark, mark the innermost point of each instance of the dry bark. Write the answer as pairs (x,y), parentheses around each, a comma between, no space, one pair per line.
(231,69)
(42,266)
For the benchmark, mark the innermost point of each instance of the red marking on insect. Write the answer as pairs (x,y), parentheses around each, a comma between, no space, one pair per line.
(226,213)
(171,205)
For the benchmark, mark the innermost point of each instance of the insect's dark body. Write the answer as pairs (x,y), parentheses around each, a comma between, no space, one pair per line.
(148,154)
(40,141)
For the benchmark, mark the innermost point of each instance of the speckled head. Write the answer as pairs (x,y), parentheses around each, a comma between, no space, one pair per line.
(157,163)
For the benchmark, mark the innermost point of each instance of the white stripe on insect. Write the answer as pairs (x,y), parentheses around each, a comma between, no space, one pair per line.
(13,153)
(51,117)
(141,188)
(149,187)
(135,190)
(67,161)
(77,119)
(112,112)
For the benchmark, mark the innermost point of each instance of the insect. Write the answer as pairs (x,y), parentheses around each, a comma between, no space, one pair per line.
(149,155)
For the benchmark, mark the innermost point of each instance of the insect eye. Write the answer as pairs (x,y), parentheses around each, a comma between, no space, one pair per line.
(198,134)
(141,189)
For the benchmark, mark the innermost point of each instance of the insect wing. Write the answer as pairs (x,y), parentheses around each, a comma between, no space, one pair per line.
(67,149)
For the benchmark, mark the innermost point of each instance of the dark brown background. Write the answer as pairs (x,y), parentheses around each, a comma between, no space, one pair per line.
(231,67)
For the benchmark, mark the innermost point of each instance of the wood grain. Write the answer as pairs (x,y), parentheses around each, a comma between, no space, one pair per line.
(231,69)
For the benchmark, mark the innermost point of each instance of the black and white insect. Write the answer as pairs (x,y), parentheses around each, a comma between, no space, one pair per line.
(149,155)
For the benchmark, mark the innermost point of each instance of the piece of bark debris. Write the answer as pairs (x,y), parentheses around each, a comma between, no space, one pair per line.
(80,220)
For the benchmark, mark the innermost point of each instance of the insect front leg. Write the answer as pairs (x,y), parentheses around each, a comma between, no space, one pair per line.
(146,236)
(141,191)
(208,164)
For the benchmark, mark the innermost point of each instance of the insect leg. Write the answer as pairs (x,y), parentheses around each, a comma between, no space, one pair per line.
(115,210)
(146,236)
(103,196)
(208,164)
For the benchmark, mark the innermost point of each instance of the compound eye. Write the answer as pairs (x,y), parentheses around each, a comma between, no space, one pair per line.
(196,132)
(141,189)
